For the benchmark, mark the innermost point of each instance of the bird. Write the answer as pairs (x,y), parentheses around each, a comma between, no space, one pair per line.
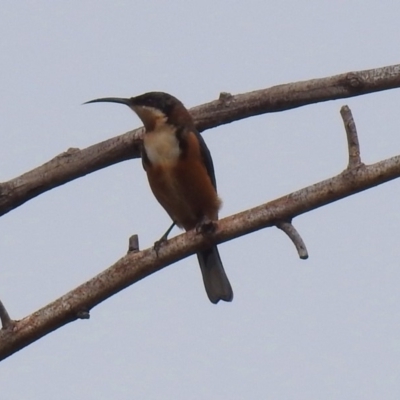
(181,175)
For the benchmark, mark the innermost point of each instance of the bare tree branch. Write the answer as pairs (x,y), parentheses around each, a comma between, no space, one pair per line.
(137,265)
(295,237)
(76,163)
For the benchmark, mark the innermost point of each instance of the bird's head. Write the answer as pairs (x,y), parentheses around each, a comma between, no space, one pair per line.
(154,109)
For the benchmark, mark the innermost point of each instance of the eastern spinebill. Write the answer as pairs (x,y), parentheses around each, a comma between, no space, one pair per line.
(181,175)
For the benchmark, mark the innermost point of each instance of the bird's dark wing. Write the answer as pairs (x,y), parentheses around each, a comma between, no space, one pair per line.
(207,159)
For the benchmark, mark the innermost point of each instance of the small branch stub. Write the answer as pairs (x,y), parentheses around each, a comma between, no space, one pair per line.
(133,244)
(83,314)
(6,321)
(295,237)
(352,138)
(225,98)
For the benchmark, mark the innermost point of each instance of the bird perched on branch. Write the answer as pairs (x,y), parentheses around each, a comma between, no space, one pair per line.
(181,175)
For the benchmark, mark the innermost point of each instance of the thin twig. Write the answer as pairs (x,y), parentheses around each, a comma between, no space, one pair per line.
(6,321)
(295,237)
(352,137)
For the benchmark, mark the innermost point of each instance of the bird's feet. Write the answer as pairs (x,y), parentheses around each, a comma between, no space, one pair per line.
(206,227)
(157,245)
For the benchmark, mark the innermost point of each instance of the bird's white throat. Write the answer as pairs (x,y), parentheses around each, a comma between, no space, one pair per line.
(162,146)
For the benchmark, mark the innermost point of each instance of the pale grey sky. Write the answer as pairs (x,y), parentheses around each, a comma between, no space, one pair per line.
(325,328)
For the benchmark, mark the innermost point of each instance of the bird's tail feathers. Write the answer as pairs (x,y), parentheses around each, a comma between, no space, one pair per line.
(215,280)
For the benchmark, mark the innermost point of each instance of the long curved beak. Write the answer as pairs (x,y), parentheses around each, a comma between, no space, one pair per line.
(147,115)
(119,100)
